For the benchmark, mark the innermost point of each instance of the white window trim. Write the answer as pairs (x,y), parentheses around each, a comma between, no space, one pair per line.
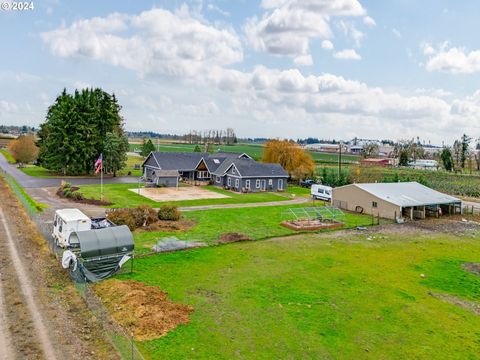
(247,184)
(237,183)
(270,181)
(257,184)
(229,181)
(217,179)
(280,184)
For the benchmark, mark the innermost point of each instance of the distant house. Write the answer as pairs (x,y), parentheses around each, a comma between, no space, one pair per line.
(378,162)
(424,164)
(237,172)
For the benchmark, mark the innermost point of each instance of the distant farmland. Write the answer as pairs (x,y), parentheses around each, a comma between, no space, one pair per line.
(254,150)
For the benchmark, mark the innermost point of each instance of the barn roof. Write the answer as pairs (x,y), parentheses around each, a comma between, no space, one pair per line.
(407,194)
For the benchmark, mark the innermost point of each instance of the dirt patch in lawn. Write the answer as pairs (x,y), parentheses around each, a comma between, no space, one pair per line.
(465,304)
(166,225)
(233,237)
(178,194)
(474,268)
(145,311)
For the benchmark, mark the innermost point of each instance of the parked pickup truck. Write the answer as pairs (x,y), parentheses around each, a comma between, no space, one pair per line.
(307,183)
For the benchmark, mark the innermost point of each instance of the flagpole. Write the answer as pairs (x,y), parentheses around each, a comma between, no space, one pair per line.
(101,179)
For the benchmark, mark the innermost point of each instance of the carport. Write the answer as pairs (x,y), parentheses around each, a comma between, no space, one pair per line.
(402,200)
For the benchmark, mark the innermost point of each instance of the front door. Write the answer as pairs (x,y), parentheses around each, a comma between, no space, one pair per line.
(264,185)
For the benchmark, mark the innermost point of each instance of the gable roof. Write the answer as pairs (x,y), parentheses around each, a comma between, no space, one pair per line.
(252,168)
(181,161)
(217,164)
(406,194)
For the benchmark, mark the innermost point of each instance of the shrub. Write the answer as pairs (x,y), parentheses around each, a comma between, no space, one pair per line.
(77,195)
(169,212)
(122,217)
(142,215)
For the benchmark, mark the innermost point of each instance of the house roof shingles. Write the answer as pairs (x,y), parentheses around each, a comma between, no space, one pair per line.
(218,164)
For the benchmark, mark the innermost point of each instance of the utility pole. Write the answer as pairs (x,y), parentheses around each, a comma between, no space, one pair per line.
(339,159)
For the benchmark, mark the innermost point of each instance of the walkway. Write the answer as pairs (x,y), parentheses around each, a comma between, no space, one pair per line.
(296,201)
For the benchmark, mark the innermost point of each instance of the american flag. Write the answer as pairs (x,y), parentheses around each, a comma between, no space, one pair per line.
(98,164)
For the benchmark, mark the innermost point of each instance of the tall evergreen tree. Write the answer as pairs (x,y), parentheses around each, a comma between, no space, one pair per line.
(74,132)
(115,152)
(447,159)
(147,147)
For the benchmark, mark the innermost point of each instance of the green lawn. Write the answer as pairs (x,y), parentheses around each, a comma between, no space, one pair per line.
(38,171)
(8,156)
(319,298)
(256,222)
(121,196)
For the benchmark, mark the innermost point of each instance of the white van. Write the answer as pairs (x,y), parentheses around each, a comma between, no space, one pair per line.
(67,221)
(321,192)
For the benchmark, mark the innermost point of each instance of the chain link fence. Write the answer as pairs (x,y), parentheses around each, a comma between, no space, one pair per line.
(123,342)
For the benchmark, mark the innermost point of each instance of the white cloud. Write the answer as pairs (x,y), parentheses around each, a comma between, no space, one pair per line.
(397,33)
(369,21)
(215,8)
(288,25)
(347,54)
(7,107)
(452,60)
(327,45)
(157,41)
(351,31)
(305,60)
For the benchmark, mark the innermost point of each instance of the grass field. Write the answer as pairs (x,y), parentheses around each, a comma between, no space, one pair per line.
(38,171)
(256,222)
(308,297)
(8,156)
(254,150)
(447,182)
(121,196)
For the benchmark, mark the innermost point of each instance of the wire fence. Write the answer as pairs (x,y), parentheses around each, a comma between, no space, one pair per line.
(123,342)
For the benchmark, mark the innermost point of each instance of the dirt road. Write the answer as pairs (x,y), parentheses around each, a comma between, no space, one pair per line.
(41,314)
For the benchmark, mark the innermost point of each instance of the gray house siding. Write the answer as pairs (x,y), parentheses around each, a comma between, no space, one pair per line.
(171,181)
(253,184)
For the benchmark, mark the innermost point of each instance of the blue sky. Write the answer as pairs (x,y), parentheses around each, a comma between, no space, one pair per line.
(272,68)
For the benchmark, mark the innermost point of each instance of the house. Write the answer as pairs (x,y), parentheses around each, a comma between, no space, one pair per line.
(378,162)
(424,164)
(409,200)
(237,172)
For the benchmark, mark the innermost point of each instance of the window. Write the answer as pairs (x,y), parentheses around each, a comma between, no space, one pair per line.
(247,184)
(374,204)
(233,170)
(229,181)
(257,183)
(270,181)
(203,175)
(216,161)
(217,179)
(280,184)
(237,183)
